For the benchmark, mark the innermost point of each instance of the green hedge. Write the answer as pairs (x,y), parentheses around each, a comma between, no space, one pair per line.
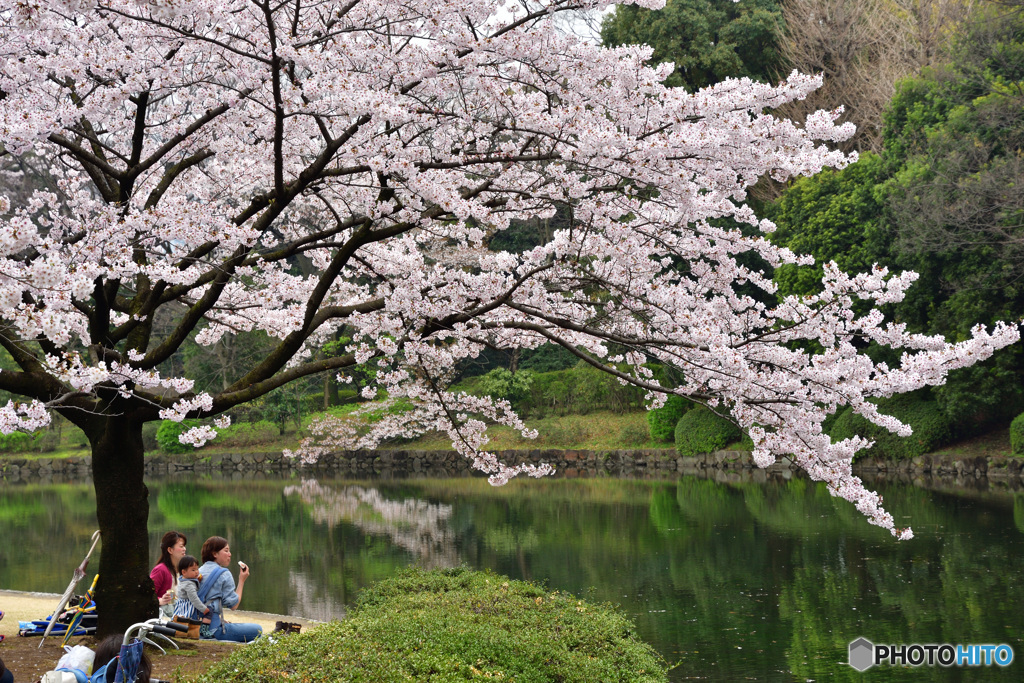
(1017,435)
(702,431)
(455,625)
(931,427)
(662,421)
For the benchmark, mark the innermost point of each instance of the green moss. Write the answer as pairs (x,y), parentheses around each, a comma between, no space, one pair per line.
(455,625)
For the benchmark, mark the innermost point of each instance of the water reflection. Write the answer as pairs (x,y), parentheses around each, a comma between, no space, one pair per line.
(767,581)
(309,600)
(415,525)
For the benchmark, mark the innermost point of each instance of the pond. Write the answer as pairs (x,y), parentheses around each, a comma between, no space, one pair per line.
(757,581)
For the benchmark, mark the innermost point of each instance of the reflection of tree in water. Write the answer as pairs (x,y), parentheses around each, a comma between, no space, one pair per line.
(311,600)
(420,527)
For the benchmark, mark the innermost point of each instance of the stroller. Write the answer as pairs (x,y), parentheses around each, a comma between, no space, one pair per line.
(124,668)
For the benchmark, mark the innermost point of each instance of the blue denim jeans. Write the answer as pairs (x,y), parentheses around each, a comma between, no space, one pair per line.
(238,633)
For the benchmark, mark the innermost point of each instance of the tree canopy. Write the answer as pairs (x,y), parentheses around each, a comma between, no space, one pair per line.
(707,40)
(942,198)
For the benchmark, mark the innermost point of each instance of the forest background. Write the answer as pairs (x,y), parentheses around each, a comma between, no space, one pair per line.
(936,89)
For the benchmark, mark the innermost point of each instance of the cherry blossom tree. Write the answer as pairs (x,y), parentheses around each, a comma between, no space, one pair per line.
(203,150)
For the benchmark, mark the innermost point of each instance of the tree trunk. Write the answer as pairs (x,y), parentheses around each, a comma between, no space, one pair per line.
(124,593)
(330,391)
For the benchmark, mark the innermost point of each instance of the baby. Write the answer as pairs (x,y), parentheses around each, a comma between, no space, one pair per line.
(188,604)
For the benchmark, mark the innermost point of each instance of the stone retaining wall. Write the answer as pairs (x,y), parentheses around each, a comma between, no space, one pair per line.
(654,463)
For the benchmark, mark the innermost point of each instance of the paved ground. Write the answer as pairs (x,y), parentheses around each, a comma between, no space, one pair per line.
(27,662)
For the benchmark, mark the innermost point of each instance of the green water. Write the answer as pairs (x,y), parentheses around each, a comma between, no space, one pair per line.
(742,581)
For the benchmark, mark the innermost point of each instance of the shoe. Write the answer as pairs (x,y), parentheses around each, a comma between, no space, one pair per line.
(2,636)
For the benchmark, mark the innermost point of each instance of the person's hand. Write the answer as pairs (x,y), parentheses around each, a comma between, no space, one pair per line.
(243,571)
(206,620)
(167,598)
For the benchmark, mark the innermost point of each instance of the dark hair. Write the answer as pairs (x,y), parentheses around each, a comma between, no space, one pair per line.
(110,647)
(169,540)
(186,562)
(212,546)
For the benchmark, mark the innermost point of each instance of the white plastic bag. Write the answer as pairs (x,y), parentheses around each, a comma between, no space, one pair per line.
(78,657)
(58,677)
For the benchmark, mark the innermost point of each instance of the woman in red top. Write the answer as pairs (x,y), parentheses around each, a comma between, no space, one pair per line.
(165,573)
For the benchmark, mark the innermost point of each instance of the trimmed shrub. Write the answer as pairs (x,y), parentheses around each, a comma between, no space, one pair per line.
(702,431)
(1017,435)
(168,432)
(931,427)
(455,625)
(662,421)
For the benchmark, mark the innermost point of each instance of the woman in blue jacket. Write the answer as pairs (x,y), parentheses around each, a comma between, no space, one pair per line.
(218,591)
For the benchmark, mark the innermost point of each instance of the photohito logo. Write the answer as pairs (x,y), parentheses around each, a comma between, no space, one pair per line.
(864,654)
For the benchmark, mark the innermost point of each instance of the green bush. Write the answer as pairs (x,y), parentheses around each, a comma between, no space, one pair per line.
(578,391)
(1017,435)
(662,421)
(455,625)
(502,383)
(16,442)
(597,390)
(550,393)
(168,432)
(702,431)
(931,427)
(43,441)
